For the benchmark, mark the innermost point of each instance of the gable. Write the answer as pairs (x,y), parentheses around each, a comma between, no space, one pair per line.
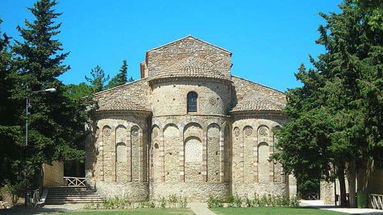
(159,59)
(189,37)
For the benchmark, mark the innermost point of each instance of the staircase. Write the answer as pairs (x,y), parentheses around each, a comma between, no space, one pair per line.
(71,195)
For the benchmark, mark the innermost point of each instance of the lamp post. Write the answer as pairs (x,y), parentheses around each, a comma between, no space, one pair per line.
(27,106)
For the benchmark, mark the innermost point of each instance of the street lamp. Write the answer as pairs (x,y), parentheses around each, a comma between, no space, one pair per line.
(27,106)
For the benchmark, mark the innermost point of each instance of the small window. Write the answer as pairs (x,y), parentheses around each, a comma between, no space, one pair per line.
(192,102)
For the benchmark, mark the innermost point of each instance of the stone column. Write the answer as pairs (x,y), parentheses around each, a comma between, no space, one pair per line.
(182,157)
(130,159)
(113,159)
(162,155)
(271,164)
(255,152)
(140,155)
(101,164)
(222,154)
(205,160)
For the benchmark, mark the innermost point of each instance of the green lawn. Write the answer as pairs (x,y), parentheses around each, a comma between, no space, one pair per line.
(135,212)
(272,211)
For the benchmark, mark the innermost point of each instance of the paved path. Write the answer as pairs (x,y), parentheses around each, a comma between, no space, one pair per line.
(364,211)
(320,205)
(200,209)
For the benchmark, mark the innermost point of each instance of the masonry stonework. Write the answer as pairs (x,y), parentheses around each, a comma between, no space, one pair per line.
(151,139)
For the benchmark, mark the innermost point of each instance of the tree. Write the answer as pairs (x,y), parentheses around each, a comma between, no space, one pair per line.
(345,89)
(56,123)
(77,92)
(98,79)
(303,141)
(10,133)
(121,77)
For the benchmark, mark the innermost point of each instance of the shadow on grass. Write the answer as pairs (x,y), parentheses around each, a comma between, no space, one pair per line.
(20,210)
(335,207)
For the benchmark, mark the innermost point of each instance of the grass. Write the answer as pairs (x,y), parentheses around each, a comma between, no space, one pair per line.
(141,211)
(272,211)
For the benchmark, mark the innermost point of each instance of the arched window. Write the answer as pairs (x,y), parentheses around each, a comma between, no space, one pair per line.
(192,102)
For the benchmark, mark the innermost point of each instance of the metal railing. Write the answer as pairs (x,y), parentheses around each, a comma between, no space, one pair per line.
(35,197)
(376,201)
(74,181)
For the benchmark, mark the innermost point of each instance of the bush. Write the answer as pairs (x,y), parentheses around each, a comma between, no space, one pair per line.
(237,201)
(12,192)
(162,202)
(256,201)
(172,201)
(214,202)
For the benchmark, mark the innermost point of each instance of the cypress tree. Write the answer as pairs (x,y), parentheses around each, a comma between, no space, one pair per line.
(345,91)
(121,77)
(98,79)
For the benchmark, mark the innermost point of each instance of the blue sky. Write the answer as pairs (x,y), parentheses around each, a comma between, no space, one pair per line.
(268,39)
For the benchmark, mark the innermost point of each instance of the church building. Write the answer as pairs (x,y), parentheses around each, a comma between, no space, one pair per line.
(188,127)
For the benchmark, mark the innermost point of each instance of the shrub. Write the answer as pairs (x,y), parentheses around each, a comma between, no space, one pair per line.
(214,202)
(294,201)
(163,202)
(249,203)
(12,192)
(237,201)
(172,201)
(184,202)
(256,201)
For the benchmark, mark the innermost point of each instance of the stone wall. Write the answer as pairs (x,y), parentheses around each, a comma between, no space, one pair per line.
(191,155)
(250,189)
(193,191)
(170,97)
(376,182)
(121,148)
(188,153)
(53,174)
(132,191)
(327,194)
(293,189)
(253,143)
(162,57)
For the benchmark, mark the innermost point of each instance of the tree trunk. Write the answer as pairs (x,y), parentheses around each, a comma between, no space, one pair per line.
(351,178)
(364,175)
(342,187)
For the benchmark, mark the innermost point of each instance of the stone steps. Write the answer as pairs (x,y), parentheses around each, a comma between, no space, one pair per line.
(71,195)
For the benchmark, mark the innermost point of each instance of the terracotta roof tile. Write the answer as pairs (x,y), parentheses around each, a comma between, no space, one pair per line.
(191,67)
(255,97)
(130,96)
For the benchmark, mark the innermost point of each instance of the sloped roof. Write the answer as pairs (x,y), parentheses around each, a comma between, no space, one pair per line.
(132,96)
(258,104)
(190,37)
(191,67)
(256,97)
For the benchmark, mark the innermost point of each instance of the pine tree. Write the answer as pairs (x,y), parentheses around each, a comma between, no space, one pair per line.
(345,89)
(56,123)
(7,82)
(10,150)
(121,77)
(98,79)
(78,91)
